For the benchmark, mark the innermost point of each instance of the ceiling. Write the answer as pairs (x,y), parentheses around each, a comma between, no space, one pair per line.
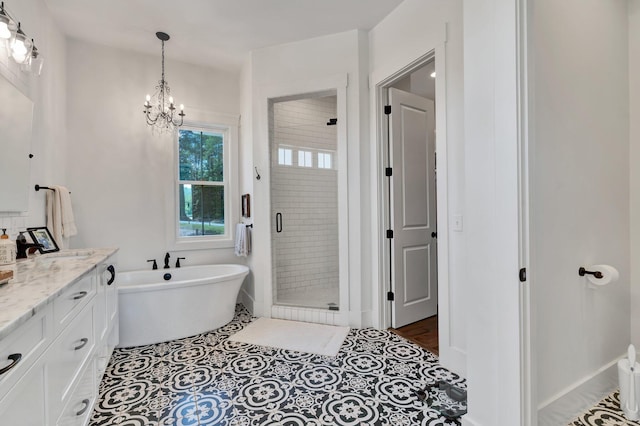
(215,33)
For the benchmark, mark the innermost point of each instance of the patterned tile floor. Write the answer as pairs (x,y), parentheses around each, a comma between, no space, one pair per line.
(209,380)
(606,413)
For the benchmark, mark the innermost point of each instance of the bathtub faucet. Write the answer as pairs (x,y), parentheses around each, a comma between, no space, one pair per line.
(166,261)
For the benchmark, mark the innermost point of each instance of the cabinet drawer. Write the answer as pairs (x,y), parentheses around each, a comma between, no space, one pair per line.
(68,355)
(21,349)
(69,303)
(24,404)
(80,405)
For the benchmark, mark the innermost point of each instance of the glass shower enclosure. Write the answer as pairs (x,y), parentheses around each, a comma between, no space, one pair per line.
(304,202)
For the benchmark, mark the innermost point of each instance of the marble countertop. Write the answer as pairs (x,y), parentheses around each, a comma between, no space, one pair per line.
(40,280)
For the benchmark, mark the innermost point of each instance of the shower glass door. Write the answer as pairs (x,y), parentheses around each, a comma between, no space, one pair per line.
(304,202)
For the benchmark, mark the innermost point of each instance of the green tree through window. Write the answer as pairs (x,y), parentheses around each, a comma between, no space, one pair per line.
(201,183)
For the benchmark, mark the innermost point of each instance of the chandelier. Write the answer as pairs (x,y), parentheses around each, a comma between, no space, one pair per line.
(159,109)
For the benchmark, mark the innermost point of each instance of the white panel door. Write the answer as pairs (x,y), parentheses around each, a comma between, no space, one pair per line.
(413,212)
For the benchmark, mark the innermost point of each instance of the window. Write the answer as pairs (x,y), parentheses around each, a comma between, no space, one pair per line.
(305,159)
(324,160)
(284,156)
(203,187)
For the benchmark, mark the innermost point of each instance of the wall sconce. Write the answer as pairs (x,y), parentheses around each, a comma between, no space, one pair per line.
(21,48)
(7,25)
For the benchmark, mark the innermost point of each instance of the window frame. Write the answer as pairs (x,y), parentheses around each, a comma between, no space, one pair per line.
(228,127)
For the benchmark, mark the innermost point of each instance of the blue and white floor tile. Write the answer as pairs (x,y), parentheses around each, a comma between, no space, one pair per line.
(208,380)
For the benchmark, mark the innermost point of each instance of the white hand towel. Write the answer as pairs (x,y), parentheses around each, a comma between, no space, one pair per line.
(241,247)
(54,219)
(60,219)
(68,220)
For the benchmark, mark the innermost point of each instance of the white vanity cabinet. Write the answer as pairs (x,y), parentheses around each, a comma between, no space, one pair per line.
(24,404)
(64,350)
(106,322)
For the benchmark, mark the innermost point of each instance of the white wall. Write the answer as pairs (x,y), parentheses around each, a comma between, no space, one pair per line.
(49,95)
(492,105)
(302,64)
(119,173)
(634,160)
(579,198)
(413,29)
(246,171)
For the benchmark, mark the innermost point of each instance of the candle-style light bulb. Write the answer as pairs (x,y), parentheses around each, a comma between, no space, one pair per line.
(182,107)
(171,100)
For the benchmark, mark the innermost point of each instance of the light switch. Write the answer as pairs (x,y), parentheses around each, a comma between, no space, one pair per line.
(457,222)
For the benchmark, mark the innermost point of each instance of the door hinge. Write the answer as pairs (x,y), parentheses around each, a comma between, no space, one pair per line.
(389,233)
(390,296)
(387,109)
(388,171)
(523,275)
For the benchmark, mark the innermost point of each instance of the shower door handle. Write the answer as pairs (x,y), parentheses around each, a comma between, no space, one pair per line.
(278,222)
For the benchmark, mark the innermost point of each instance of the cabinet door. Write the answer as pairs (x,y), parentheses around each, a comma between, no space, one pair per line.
(111,280)
(101,322)
(68,354)
(24,404)
(80,405)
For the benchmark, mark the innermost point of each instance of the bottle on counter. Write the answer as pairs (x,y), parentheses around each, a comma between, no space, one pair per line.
(8,254)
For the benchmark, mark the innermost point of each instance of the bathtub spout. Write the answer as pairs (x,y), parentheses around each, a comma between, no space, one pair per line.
(166,261)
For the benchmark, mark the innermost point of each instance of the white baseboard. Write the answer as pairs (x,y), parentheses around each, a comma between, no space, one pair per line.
(468,421)
(246,300)
(453,359)
(580,396)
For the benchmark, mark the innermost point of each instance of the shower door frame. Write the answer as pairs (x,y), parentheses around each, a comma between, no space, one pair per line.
(335,85)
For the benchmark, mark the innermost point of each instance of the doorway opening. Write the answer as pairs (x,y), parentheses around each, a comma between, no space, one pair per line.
(411,103)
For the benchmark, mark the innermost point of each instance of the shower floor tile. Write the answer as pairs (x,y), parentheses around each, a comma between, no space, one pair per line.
(606,413)
(208,380)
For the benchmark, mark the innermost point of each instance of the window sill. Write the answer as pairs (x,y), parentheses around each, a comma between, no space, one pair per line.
(180,245)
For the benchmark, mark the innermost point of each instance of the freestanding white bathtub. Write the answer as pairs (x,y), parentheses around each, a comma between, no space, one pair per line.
(156,307)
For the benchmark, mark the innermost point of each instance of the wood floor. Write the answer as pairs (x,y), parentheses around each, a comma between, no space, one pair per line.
(423,333)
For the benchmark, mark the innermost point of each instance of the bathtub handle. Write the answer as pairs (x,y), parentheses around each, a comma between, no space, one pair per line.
(278,222)
(112,271)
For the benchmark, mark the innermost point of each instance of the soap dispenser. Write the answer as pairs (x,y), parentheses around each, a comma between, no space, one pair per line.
(7,254)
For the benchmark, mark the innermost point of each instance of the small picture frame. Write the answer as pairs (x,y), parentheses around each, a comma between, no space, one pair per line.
(246,206)
(42,236)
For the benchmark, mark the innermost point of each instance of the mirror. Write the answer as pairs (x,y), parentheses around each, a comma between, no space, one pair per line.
(16,115)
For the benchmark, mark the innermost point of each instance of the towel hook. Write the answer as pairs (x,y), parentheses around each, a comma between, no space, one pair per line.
(583,271)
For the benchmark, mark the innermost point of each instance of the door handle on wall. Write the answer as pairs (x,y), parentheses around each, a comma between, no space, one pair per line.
(278,222)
